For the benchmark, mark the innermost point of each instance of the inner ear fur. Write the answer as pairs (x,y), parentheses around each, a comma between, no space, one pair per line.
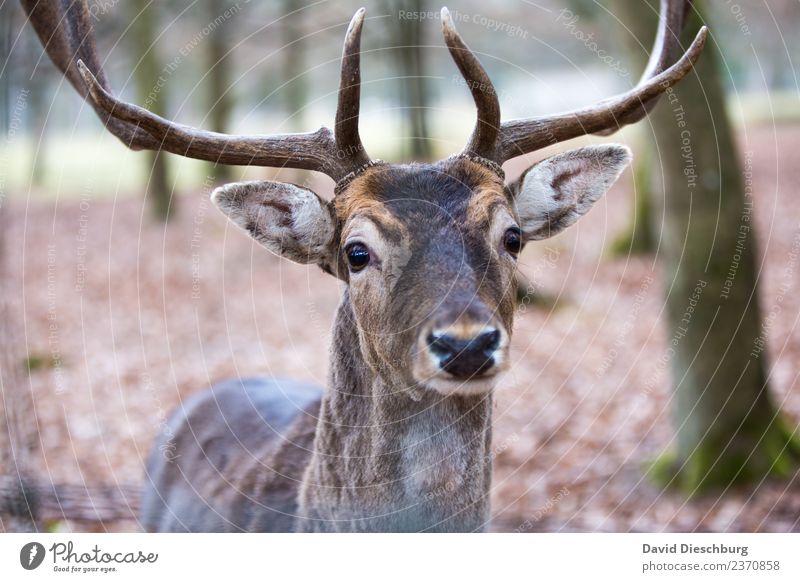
(289,220)
(554,193)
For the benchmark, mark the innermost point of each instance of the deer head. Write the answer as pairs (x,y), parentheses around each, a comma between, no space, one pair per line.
(427,251)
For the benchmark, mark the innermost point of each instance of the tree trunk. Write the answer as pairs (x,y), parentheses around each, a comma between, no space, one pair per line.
(727,429)
(17,507)
(152,95)
(414,92)
(38,102)
(294,65)
(219,95)
(638,30)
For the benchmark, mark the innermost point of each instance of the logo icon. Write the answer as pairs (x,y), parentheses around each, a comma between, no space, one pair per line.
(31,555)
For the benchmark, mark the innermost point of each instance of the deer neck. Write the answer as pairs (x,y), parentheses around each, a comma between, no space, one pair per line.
(386,461)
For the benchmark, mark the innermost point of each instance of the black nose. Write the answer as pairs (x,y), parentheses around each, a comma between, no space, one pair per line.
(465,358)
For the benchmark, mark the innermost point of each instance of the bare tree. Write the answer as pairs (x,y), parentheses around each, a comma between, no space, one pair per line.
(143,15)
(218,84)
(637,24)
(414,92)
(727,427)
(294,63)
(16,511)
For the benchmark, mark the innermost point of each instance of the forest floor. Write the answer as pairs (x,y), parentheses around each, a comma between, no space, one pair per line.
(118,318)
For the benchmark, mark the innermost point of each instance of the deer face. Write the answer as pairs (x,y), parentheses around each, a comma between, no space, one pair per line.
(428,252)
(430,265)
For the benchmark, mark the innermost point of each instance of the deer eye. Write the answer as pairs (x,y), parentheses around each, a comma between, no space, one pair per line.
(357,256)
(512,241)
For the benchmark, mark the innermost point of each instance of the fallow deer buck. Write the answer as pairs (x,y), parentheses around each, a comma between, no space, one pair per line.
(400,441)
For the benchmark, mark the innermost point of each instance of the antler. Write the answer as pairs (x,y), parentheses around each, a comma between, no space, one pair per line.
(483,141)
(500,142)
(66,32)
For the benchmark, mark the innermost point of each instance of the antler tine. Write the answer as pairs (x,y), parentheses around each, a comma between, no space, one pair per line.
(518,137)
(348,140)
(671,18)
(66,32)
(483,141)
(309,151)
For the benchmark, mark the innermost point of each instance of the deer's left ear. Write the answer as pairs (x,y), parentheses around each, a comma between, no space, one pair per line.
(290,221)
(554,193)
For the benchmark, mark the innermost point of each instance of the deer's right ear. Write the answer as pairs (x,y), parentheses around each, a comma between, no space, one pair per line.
(290,221)
(556,192)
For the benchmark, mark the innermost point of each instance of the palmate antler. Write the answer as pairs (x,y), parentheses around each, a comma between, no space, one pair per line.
(66,32)
(499,142)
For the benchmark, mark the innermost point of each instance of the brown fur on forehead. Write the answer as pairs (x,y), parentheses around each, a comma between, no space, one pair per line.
(357,199)
(482,205)
(460,186)
(476,175)
(488,189)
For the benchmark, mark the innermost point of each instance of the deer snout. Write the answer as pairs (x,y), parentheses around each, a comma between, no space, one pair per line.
(465,356)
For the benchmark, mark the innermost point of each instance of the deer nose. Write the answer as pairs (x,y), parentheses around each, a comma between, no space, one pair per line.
(465,358)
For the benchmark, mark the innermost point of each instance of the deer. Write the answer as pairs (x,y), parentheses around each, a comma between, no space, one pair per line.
(400,440)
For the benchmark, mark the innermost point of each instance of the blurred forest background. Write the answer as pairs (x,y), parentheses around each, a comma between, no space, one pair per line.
(124,291)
